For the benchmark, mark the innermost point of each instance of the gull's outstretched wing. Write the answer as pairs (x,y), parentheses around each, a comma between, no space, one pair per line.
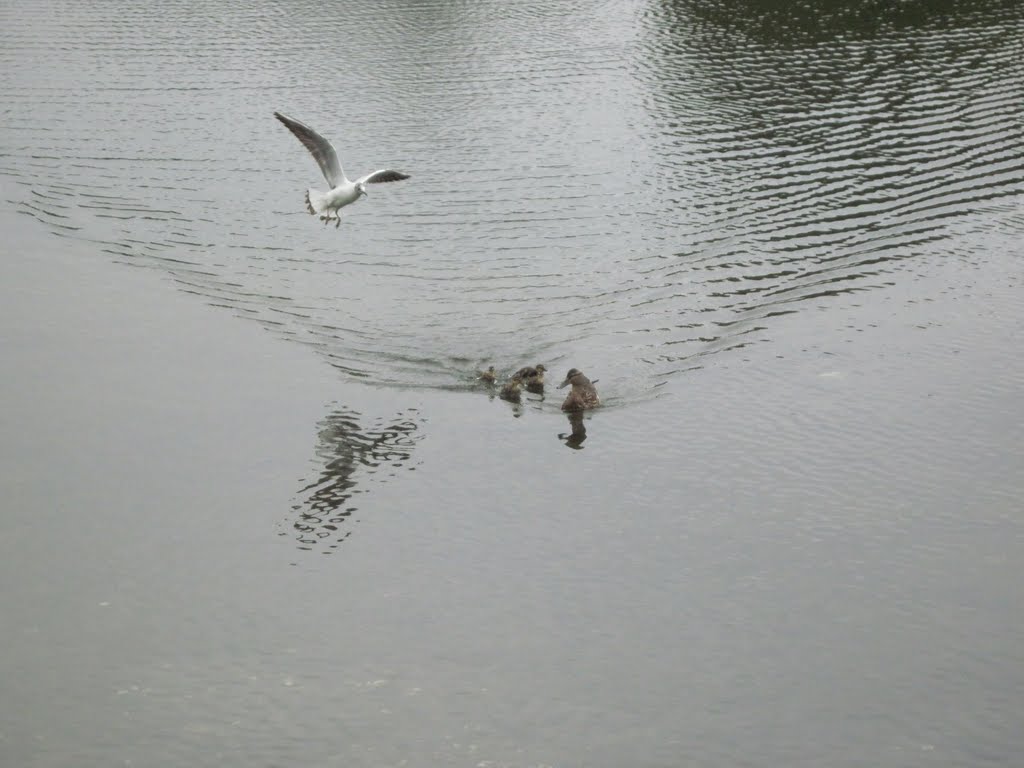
(319,147)
(379,177)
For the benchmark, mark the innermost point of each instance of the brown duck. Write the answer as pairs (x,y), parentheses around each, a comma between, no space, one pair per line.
(583,394)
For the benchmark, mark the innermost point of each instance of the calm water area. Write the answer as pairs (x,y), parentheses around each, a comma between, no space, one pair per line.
(257,510)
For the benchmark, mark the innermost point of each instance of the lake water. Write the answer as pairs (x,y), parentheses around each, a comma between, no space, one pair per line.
(786,241)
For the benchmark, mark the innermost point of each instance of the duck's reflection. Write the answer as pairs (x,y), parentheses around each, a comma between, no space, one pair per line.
(350,456)
(575,438)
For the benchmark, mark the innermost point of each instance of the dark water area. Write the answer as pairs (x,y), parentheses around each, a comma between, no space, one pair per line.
(785,240)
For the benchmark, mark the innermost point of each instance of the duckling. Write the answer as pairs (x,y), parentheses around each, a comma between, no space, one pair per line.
(510,391)
(532,377)
(583,394)
(530,372)
(488,376)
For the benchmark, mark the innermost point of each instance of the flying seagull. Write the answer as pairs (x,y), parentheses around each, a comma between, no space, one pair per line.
(342,191)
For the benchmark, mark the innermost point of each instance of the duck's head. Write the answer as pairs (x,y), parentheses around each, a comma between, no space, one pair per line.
(573,373)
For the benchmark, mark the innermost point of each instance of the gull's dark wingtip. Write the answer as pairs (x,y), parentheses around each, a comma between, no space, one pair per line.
(382,177)
(290,122)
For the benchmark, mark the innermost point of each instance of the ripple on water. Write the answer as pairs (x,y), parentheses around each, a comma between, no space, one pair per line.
(350,454)
(635,188)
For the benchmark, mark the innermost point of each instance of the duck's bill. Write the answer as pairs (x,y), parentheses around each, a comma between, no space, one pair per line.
(564,384)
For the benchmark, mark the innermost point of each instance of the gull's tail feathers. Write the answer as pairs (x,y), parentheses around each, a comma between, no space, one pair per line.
(315,201)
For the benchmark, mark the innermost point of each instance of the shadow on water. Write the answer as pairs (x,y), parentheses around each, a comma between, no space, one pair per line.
(350,455)
(779,22)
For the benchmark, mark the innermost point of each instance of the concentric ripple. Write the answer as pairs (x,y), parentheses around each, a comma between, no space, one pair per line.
(624,187)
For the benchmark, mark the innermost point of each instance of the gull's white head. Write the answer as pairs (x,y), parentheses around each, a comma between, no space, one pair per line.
(361,189)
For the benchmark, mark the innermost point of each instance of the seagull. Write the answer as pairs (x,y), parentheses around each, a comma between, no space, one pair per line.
(342,191)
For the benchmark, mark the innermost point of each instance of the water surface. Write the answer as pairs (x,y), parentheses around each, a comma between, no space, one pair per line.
(786,241)
(633,186)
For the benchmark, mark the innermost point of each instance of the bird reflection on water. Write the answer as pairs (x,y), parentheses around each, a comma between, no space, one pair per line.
(575,438)
(350,455)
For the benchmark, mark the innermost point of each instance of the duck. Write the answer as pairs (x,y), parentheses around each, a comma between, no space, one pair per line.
(530,372)
(487,376)
(510,391)
(532,377)
(583,394)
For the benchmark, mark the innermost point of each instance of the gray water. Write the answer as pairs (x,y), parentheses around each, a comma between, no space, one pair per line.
(786,241)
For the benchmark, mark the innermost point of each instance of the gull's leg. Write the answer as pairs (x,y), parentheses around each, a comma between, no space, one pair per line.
(338,222)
